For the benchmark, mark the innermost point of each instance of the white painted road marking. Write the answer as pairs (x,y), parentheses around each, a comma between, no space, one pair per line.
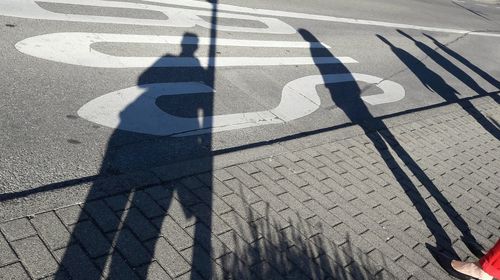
(177,17)
(76,48)
(276,13)
(134,109)
(189,17)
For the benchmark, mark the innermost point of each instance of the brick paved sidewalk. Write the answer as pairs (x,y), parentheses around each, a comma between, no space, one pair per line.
(362,207)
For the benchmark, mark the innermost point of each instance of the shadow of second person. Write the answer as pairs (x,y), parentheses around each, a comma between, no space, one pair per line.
(353,106)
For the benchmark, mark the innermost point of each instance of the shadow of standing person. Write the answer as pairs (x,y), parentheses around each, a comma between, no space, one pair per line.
(352,105)
(465,62)
(125,234)
(439,86)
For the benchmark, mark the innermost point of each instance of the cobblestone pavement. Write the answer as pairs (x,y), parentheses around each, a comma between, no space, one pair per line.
(335,205)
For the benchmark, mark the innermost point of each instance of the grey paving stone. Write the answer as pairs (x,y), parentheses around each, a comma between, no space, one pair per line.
(192,182)
(202,213)
(223,174)
(71,215)
(243,176)
(219,206)
(159,192)
(294,190)
(292,157)
(387,250)
(264,270)
(51,230)
(132,249)
(248,168)
(356,206)
(242,191)
(436,271)
(208,239)
(323,213)
(347,219)
(315,171)
(6,254)
(76,262)
(147,205)
(298,224)
(139,224)
(320,186)
(118,202)
(242,227)
(264,167)
(241,207)
(91,239)
(297,206)
(153,271)
(408,252)
(182,215)
(35,256)
(291,175)
(202,263)
(206,195)
(270,215)
(13,272)
(175,234)
(268,183)
(289,164)
(343,192)
(377,257)
(270,198)
(310,155)
(115,267)
(187,197)
(218,225)
(169,258)
(220,188)
(104,217)
(17,229)
(414,269)
(319,197)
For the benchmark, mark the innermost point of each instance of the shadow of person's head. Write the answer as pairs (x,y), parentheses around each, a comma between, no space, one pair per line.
(383,39)
(189,44)
(308,36)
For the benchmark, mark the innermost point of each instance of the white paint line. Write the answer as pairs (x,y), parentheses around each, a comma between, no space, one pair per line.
(177,17)
(276,13)
(76,48)
(189,18)
(134,108)
(391,91)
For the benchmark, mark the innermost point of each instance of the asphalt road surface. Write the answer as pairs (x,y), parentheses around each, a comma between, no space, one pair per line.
(107,87)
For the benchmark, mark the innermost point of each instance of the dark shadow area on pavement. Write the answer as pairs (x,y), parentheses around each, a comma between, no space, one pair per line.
(438,85)
(348,99)
(125,236)
(275,247)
